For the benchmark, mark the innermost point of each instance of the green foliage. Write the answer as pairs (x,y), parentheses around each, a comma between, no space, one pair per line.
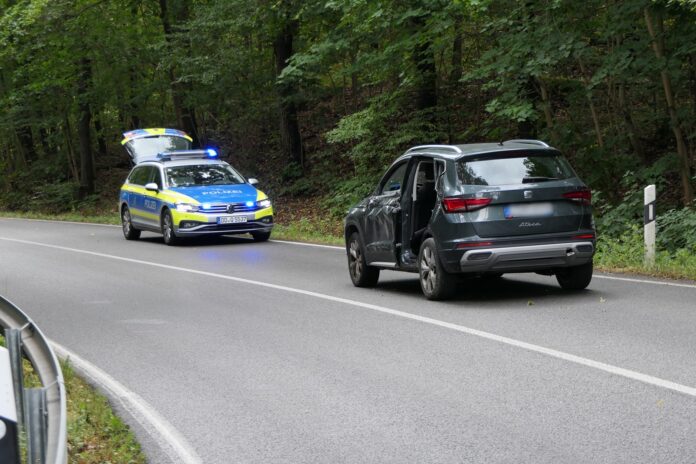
(676,231)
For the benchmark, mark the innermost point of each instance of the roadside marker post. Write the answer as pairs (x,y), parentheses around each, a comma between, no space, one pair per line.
(9,445)
(649,224)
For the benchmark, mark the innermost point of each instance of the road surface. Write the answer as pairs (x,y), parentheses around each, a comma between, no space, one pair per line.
(229,351)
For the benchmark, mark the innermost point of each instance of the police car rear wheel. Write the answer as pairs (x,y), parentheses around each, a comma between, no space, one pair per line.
(261,236)
(170,237)
(130,232)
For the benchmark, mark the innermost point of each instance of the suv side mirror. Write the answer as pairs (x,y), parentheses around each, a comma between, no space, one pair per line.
(152,187)
(252,181)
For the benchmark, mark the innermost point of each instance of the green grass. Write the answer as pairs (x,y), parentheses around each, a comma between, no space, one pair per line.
(95,434)
(626,253)
(98,218)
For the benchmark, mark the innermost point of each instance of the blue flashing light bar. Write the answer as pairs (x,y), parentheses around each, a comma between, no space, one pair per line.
(212,153)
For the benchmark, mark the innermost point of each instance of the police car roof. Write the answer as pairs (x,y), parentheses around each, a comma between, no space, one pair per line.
(184,162)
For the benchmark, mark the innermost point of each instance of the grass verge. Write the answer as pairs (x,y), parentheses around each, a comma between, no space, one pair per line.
(95,434)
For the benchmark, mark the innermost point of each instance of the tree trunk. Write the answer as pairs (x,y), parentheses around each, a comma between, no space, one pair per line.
(593,110)
(291,141)
(83,129)
(630,125)
(656,31)
(185,116)
(546,105)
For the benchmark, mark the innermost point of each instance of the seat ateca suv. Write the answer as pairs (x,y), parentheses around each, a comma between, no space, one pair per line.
(477,210)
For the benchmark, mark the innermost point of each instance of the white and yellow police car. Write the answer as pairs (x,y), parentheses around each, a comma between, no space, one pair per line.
(180,192)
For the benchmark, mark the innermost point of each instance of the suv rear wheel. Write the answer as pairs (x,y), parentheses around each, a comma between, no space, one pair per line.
(361,274)
(576,277)
(436,282)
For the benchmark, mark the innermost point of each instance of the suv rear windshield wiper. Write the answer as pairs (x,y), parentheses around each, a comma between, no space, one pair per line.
(530,180)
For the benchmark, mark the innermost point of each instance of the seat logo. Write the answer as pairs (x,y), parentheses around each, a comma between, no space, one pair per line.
(528,194)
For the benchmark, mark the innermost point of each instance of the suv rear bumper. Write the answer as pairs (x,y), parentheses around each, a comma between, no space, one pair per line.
(527,257)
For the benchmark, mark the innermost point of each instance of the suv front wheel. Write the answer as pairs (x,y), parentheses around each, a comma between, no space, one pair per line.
(361,274)
(436,282)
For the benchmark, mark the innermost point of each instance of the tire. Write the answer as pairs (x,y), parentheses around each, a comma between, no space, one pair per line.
(129,231)
(361,274)
(436,282)
(261,236)
(168,233)
(576,277)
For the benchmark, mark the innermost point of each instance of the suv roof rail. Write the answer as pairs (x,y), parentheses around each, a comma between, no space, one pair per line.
(529,142)
(439,147)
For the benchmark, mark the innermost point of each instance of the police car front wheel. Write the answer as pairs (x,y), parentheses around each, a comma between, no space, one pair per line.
(170,237)
(261,236)
(130,232)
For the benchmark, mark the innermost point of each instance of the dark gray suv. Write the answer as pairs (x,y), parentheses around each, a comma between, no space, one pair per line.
(477,209)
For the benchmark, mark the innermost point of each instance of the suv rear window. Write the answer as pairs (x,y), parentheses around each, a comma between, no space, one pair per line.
(515,169)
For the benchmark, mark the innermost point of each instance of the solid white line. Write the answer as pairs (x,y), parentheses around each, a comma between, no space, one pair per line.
(611,369)
(644,281)
(165,435)
(316,245)
(333,247)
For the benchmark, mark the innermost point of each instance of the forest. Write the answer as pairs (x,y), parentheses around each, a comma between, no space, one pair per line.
(316,97)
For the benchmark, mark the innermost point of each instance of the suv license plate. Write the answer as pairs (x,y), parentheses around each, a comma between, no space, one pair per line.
(231,219)
(528,210)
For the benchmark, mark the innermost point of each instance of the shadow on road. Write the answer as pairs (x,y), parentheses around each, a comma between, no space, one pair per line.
(204,240)
(490,290)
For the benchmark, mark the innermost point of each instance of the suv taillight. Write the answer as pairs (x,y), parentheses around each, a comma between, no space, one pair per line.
(583,196)
(458,205)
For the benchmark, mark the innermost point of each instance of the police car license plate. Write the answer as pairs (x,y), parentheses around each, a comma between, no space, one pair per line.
(528,210)
(231,219)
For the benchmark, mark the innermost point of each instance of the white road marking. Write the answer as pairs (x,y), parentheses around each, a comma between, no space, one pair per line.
(167,437)
(643,281)
(333,247)
(316,245)
(611,369)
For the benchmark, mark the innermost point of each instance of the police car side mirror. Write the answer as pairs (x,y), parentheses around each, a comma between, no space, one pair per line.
(152,187)
(253,181)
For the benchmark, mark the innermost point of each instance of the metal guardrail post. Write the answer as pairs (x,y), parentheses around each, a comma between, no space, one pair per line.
(9,431)
(36,425)
(13,342)
(49,407)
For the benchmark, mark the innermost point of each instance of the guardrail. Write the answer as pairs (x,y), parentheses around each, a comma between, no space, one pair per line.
(41,412)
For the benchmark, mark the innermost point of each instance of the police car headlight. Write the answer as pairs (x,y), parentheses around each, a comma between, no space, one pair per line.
(263,203)
(186,207)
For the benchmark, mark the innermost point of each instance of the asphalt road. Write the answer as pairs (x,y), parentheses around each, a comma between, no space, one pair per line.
(266,353)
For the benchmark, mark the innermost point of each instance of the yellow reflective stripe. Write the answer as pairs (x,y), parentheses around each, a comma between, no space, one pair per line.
(141,213)
(155,131)
(133,188)
(169,196)
(260,195)
(178,216)
(264,212)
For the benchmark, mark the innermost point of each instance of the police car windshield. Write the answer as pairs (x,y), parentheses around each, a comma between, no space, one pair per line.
(202,174)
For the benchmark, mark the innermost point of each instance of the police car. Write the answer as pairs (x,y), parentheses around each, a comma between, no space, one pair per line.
(180,192)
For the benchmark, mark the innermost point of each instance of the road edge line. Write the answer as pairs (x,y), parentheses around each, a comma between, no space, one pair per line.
(167,438)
